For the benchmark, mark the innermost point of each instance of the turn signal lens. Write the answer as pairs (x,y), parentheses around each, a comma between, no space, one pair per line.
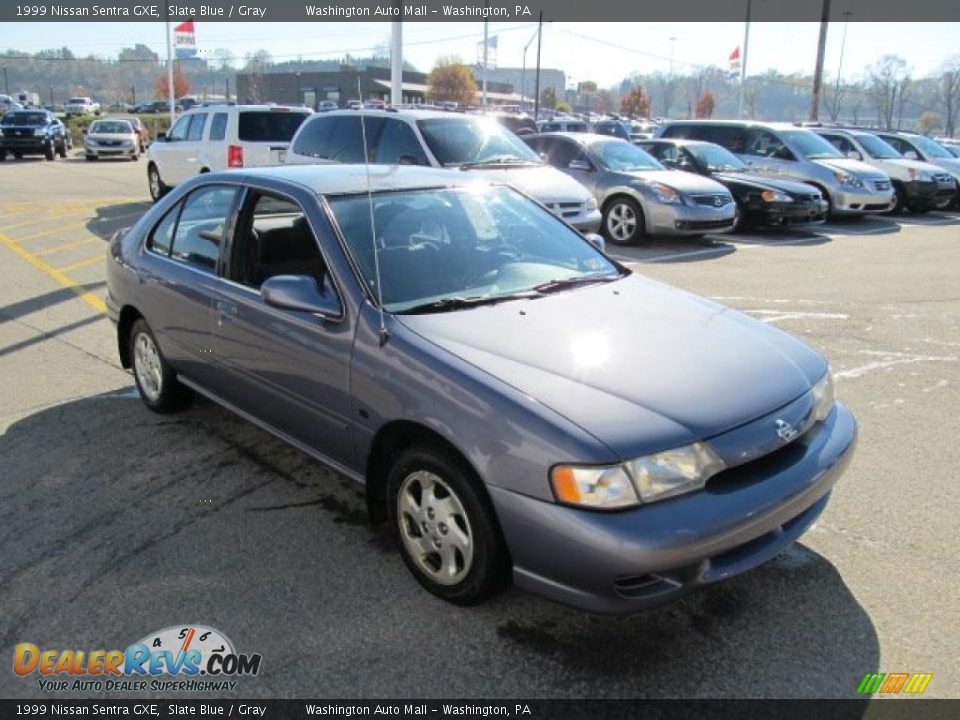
(596,487)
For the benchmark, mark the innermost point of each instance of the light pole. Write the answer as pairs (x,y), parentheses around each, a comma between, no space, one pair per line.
(843,44)
(536,85)
(6,82)
(743,61)
(821,52)
(523,75)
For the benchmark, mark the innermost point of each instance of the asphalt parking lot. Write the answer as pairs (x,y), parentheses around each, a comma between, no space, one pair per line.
(116,522)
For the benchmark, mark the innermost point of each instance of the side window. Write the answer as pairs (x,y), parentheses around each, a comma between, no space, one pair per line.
(196,126)
(839,142)
(275,239)
(729,136)
(203,221)
(346,142)
(179,129)
(161,237)
(563,151)
(398,142)
(549,127)
(314,138)
(763,143)
(899,145)
(218,126)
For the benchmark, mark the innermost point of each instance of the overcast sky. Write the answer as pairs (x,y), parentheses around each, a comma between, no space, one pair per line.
(603,52)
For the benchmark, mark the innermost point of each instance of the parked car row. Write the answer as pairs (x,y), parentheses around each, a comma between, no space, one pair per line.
(33,132)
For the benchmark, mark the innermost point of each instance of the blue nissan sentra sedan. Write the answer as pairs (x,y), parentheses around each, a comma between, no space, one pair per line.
(516,404)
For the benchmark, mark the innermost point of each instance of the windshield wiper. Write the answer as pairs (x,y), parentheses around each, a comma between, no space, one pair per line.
(461,302)
(499,160)
(564,283)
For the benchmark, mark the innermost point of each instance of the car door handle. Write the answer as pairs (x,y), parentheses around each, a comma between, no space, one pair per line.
(226,312)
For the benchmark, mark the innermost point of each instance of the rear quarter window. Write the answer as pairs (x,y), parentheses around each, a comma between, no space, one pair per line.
(218,126)
(269,125)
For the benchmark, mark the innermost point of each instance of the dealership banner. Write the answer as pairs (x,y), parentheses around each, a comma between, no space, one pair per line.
(456,10)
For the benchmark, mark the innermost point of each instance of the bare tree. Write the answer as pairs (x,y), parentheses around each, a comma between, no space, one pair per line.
(751,94)
(664,86)
(905,89)
(949,94)
(885,80)
(833,97)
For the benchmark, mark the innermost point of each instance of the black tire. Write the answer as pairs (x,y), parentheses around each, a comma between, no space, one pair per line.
(62,150)
(18,156)
(3,155)
(623,208)
(919,209)
(155,184)
(135,157)
(91,158)
(739,220)
(899,200)
(169,395)
(50,152)
(489,568)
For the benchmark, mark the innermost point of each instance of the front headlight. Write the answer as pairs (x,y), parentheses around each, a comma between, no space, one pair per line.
(643,480)
(666,194)
(848,179)
(775,196)
(39,132)
(592,204)
(596,487)
(674,472)
(823,397)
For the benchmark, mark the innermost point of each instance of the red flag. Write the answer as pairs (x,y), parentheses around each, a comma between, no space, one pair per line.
(184,27)
(735,55)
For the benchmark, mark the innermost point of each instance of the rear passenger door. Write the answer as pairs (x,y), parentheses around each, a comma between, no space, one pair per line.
(287,368)
(178,277)
(767,154)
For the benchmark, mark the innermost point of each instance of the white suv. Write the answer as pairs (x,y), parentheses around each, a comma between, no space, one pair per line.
(81,106)
(472,143)
(219,137)
(919,186)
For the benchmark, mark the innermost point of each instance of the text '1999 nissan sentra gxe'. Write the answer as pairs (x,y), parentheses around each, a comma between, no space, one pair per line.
(515,403)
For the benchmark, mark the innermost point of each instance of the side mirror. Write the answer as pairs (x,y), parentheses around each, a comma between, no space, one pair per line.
(911,155)
(854,155)
(597,241)
(161,136)
(581,165)
(302,294)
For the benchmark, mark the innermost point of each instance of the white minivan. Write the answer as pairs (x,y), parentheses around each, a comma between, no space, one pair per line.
(471,143)
(219,137)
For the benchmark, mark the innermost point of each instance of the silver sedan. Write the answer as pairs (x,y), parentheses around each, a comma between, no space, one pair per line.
(638,195)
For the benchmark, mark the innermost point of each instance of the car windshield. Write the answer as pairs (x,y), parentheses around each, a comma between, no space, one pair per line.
(811,145)
(118,127)
(444,249)
(77,101)
(716,159)
(621,156)
(24,118)
(474,141)
(953,150)
(269,125)
(929,147)
(877,148)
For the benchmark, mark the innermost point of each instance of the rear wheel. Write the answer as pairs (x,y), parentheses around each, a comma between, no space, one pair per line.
(623,222)
(156,382)
(445,527)
(62,150)
(157,188)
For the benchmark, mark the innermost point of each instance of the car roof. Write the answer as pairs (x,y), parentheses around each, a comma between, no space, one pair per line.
(241,108)
(583,138)
(344,179)
(394,112)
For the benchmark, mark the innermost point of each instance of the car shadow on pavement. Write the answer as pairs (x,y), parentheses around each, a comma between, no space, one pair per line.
(115,522)
(110,218)
(46,300)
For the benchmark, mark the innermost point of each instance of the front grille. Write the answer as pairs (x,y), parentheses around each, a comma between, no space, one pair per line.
(735,478)
(943,178)
(810,197)
(881,185)
(566,209)
(703,224)
(109,143)
(713,200)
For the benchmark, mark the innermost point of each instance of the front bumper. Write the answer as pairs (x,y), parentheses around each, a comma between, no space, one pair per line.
(663,219)
(110,151)
(860,202)
(620,562)
(811,212)
(585,221)
(27,145)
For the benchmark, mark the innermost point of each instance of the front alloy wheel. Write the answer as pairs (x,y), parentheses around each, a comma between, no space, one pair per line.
(623,222)
(445,526)
(434,527)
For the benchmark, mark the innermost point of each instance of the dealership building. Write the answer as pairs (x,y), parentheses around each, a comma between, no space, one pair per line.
(346,83)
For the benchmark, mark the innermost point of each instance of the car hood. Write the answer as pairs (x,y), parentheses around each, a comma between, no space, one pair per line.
(112,136)
(852,166)
(541,182)
(951,165)
(641,366)
(759,182)
(685,182)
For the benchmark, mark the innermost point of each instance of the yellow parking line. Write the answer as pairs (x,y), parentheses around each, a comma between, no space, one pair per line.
(58,275)
(35,221)
(81,263)
(53,231)
(69,246)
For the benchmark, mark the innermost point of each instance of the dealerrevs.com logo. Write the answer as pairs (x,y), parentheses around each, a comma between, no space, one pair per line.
(179,658)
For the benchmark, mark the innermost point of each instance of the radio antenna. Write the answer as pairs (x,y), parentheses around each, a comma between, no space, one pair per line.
(384,335)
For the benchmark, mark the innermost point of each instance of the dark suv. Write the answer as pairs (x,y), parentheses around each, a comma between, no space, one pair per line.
(32,132)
